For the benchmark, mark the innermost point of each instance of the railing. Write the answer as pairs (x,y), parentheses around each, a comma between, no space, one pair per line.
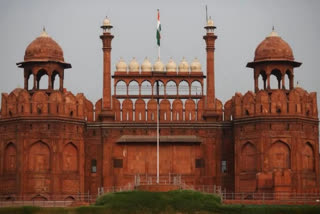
(51,201)
(263,196)
(145,179)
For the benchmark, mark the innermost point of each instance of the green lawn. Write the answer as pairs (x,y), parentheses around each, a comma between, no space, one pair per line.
(181,202)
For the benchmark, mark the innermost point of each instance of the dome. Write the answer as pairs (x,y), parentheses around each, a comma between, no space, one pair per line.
(158,65)
(43,48)
(146,65)
(183,66)
(171,66)
(210,22)
(106,22)
(134,65)
(121,66)
(196,66)
(273,48)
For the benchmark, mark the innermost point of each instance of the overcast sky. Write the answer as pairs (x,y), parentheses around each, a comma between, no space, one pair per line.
(241,26)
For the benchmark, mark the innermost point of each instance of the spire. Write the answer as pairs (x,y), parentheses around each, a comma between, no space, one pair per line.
(44,33)
(273,33)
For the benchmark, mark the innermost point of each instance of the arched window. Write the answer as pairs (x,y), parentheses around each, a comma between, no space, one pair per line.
(70,158)
(133,88)
(196,88)
(183,88)
(161,88)
(39,157)
(171,88)
(121,88)
(146,88)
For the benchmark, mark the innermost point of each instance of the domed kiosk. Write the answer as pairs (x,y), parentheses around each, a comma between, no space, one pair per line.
(43,56)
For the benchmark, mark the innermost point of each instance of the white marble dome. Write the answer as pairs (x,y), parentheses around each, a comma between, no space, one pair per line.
(183,66)
(158,65)
(134,65)
(121,66)
(195,66)
(171,66)
(146,65)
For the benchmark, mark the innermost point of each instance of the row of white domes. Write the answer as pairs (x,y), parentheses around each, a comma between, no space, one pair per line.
(146,66)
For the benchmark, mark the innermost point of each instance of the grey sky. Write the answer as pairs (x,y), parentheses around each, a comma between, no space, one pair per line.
(241,26)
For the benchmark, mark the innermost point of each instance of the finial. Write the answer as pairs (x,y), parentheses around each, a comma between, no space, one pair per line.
(44,33)
(272,27)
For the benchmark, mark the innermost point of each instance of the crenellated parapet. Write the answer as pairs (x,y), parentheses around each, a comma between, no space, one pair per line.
(21,103)
(296,102)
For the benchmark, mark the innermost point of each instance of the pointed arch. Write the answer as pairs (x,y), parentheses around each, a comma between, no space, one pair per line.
(171,88)
(70,157)
(140,110)
(249,158)
(279,156)
(39,157)
(184,88)
(190,110)
(42,79)
(177,110)
(146,88)
(127,110)
(165,111)
(308,157)
(10,158)
(152,110)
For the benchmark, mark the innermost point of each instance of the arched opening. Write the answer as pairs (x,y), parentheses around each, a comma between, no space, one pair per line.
(39,198)
(133,88)
(146,88)
(161,88)
(196,88)
(30,81)
(70,198)
(279,156)
(55,79)
(183,88)
(287,79)
(42,79)
(275,79)
(248,153)
(171,88)
(121,88)
(262,80)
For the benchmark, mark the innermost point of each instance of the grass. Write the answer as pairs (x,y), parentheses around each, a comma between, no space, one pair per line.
(182,202)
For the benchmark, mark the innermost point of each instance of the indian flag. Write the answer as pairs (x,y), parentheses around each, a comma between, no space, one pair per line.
(158,29)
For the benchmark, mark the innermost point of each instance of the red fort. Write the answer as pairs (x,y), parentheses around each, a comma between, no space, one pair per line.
(53,142)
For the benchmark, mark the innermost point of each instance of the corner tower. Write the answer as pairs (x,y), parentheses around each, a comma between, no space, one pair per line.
(106,37)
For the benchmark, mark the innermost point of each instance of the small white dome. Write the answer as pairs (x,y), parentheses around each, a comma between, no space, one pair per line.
(121,66)
(158,65)
(106,22)
(146,65)
(195,66)
(210,22)
(134,65)
(183,66)
(171,66)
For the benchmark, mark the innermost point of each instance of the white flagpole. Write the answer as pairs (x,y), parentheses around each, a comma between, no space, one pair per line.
(158,117)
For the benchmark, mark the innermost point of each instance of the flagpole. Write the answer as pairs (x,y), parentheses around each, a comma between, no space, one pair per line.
(158,100)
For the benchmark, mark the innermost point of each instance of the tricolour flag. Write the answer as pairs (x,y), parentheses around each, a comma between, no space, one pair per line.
(158,29)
